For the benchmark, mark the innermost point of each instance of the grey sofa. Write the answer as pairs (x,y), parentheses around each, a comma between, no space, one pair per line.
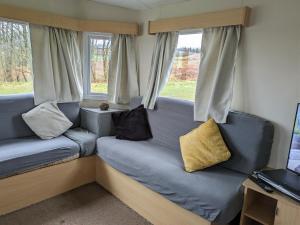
(214,193)
(21,150)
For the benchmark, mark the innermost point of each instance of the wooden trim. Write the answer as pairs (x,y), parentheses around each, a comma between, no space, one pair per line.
(151,205)
(109,27)
(26,189)
(54,20)
(239,16)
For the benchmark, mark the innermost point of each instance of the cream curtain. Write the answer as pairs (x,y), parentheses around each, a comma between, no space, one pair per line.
(57,65)
(162,59)
(122,78)
(216,74)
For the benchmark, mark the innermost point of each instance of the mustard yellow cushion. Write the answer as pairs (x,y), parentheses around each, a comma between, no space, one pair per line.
(203,147)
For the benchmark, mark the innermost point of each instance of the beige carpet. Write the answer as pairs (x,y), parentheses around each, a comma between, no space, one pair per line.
(87,205)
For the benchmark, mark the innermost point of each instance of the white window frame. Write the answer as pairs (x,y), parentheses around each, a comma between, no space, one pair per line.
(87,94)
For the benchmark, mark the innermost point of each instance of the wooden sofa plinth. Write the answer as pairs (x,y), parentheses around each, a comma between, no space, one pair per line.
(22,190)
(149,204)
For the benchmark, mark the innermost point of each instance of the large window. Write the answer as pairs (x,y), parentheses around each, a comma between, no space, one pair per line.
(97,54)
(185,69)
(15,58)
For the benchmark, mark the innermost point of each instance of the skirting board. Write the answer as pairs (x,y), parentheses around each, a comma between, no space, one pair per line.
(151,205)
(22,190)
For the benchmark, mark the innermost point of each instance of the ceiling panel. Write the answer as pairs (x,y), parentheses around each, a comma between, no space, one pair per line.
(139,4)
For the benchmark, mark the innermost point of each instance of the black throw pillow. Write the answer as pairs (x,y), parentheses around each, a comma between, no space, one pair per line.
(132,125)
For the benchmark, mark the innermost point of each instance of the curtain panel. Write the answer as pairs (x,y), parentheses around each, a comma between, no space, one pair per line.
(216,74)
(57,64)
(123,77)
(162,60)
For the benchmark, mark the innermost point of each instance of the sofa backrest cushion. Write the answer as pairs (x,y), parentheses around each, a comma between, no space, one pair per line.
(248,137)
(11,108)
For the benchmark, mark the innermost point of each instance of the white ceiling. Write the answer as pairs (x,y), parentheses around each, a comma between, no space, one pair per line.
(139,4)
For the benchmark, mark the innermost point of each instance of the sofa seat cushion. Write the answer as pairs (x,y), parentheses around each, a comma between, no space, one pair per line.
(84,138)
(214,193)
(25,154)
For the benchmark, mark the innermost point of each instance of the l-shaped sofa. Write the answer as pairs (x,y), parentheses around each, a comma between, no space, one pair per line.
(147,175)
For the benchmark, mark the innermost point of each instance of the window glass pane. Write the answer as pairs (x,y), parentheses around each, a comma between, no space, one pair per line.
(15,58)
(185,69)
(99,63)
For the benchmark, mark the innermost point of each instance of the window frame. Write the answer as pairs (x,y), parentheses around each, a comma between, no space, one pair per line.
(87,93)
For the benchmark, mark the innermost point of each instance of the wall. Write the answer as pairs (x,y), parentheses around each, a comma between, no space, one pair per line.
(84,9)
(268,70)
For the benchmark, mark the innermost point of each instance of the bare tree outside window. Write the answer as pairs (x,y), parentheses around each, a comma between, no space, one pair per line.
(15,58)
(185,69)
(100,51)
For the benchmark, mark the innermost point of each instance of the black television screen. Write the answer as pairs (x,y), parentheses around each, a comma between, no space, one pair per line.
(294,153)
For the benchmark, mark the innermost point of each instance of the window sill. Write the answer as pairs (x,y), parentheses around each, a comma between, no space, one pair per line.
(99,97)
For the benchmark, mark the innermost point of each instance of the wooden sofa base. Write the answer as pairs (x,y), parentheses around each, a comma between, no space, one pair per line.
(22,190)
(152,206)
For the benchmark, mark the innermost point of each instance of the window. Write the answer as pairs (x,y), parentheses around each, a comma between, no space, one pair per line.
(15,58)
(97,53)
(185,69)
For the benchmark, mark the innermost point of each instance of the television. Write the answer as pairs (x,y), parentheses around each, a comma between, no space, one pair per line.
(293,162)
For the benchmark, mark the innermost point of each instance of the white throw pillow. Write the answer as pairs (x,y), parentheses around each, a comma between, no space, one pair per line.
(47,121)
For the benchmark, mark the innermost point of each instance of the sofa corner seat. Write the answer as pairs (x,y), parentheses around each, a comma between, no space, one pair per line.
(22,151)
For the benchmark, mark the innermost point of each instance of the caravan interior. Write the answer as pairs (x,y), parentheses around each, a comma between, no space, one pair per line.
(148,112)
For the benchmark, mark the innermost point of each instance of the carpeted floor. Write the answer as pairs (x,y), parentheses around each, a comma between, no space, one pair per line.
(87,205)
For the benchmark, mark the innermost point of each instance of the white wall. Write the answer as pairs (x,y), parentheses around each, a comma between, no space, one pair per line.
(78,8)
(268,71)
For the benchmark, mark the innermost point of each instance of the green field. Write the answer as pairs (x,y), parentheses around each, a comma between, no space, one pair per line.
(175,89)
(178,89)
(99,88)
(7,88)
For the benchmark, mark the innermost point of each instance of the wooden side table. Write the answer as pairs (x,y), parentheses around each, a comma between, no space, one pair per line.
(262,208)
